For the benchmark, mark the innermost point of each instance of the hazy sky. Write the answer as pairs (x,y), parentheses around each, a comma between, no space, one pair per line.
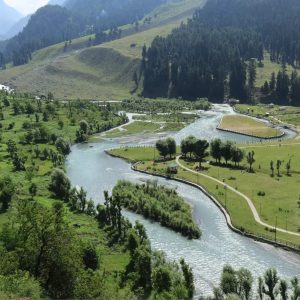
(26,7)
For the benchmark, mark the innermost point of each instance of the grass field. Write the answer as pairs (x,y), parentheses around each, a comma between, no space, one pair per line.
(276,114)
(248,126)
(144,128)
(281,198)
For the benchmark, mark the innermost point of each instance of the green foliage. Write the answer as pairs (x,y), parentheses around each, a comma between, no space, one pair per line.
(7,191)
(158,203)
(60,184)
(20,285)
(63,146)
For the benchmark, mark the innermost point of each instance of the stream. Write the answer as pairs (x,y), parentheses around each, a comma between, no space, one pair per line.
(90,167)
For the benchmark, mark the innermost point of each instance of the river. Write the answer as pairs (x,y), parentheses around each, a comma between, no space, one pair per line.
(90,167)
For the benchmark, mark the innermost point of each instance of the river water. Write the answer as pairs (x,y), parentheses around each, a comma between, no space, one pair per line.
(88,166)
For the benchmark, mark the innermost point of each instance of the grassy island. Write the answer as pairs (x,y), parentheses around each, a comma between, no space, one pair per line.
(160,204)
(248,126)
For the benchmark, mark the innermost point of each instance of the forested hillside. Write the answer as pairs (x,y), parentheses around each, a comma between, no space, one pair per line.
(213,55)
(54,24)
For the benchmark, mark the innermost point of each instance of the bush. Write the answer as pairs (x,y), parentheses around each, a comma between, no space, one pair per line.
(60,184)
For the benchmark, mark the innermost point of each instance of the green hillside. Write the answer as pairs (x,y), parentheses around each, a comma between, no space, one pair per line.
(104,71)
(96,72)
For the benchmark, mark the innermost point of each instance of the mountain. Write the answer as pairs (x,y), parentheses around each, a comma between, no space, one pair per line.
(57,2)
(8,17)
(53,24)
(17,27)
(103,14)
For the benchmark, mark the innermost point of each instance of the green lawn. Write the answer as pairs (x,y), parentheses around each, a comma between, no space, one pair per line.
(281,192)
(248,126)
(144,127)
(275,113)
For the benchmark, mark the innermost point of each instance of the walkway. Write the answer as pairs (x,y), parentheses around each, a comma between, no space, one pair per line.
(249,201)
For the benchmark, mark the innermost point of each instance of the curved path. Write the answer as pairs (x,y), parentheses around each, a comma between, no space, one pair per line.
(249,201)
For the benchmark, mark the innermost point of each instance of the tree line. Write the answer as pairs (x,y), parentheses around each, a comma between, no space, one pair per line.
(282,88)
(214,55)
(238,284)
(200,149)
(53,24)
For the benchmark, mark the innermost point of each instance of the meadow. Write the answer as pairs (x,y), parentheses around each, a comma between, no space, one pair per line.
(276,198)
(248,126)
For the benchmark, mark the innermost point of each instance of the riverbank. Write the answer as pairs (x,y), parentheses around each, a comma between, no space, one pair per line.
(286,117)
(239,210)
(224,211)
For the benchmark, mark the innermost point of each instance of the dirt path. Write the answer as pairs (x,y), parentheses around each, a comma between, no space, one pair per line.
(249,201)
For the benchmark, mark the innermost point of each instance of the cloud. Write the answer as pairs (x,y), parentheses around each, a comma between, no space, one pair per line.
(26,7)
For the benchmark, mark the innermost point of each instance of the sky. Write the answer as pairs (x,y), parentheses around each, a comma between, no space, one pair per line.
(26,7)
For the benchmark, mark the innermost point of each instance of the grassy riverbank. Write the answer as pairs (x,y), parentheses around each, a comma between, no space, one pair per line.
(276,114)
(30,127)
(248,126)
(274,197)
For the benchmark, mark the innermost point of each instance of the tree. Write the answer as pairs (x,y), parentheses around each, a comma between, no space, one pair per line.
(184,147)
(188,278)
(272,168)
(250,160)
(162,147)
(270,280)
(288,168)
(200,150)
(84,126)
(33,190)
(45,247)
(60,184)
(171,146)
(216,149)
(273,82)
(162,280)
(60,124)
(237,155)
(226,151)
(283,289)
(63,146)
(7,191)
(82,199)
(190,144)
(229,284)
(278,165)
(251,75)
(90,258)
(295,289)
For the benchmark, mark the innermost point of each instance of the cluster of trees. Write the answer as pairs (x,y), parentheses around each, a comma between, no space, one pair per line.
(238,284)
(276,22)
(278,166)
(159,204)
(283,89)
(141,105)
(166,147)
(148,272)
(218,150)
(214,55)
(40,251)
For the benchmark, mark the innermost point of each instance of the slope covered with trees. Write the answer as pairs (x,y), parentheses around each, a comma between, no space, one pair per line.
(54,24)
(213,55)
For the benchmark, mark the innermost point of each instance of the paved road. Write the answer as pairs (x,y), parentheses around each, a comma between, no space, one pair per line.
(249,201)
